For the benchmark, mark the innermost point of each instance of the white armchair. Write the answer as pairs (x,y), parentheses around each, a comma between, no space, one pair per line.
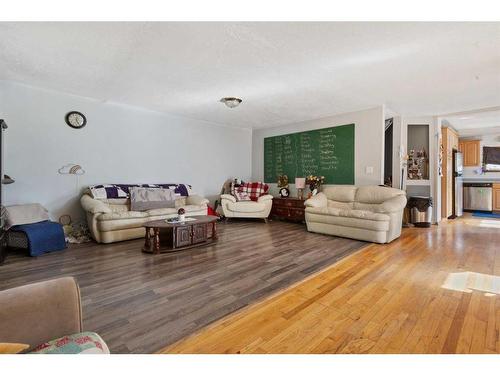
(247,209)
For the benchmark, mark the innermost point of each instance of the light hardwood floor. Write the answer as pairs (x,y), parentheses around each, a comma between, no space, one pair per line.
(433,291)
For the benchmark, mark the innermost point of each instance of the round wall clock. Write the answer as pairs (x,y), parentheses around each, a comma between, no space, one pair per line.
(76,120)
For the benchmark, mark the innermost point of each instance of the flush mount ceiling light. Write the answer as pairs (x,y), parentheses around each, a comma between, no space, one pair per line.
(231,102)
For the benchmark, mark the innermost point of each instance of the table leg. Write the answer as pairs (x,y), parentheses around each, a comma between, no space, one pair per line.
(214,231)
(156,241)
(147,239)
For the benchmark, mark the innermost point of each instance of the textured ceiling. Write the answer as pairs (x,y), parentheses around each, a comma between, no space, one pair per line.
(284,72)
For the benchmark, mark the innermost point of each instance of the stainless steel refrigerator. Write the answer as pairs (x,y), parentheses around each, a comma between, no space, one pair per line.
(458,185)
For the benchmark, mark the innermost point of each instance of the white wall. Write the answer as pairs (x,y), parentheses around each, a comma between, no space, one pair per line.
(120,144)
(492,140)
(369,142)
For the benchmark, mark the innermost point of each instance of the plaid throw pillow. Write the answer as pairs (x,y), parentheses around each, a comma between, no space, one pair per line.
(253,189)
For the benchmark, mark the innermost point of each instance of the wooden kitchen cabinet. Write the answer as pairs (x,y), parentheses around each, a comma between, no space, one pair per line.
(471,151)
(496,197)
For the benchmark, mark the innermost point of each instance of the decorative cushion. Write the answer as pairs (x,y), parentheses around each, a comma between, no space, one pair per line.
(143,199)
(254,189)
(78,343)
(242,196)
(115,191)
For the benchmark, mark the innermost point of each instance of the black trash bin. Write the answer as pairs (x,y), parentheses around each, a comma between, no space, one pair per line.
(420,211)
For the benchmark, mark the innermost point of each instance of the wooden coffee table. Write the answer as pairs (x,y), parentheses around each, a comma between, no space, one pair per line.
(162,236)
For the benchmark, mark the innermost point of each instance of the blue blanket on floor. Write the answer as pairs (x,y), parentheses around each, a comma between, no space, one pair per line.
(43,237)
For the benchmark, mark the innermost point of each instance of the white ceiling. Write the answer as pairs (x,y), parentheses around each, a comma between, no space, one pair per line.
(475,123)
(483,119)
(284,72)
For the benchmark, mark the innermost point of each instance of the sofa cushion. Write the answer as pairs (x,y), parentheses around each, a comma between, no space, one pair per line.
(78,343)
(122,215)
(109,225)
(189,208)
(376,194)
(246,206)
(353,222)
(162,211)
(359,214)
(373,207)
(143,198)
(340,205)
(340,193)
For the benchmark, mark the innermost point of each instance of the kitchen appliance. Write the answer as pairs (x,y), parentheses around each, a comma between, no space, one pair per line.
(458,168)
(478,196)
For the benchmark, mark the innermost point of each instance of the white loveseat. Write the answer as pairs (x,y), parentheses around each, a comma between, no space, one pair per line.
(368,213)
(247,209)
(111,220)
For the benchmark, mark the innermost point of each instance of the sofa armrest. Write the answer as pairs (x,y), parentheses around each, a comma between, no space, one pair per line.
(265,198)
(196,200)
(94,206)
(318,200)
(394,204)
(228,197)
(40,312)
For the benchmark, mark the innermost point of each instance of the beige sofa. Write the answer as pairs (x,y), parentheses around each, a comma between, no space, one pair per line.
(368,213)
(247,209)
(110,220)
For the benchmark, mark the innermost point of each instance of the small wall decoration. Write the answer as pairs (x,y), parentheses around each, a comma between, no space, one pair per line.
(71,169)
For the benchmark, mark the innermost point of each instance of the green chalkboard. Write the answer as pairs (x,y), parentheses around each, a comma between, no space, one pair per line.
(325,152)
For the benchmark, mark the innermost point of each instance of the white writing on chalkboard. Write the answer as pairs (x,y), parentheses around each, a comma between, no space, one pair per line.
(325,152)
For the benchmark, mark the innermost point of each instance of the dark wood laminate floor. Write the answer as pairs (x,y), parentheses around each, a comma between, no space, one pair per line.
(140,302)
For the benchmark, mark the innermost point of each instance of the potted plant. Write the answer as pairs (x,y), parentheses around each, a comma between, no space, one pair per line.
(181,214)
